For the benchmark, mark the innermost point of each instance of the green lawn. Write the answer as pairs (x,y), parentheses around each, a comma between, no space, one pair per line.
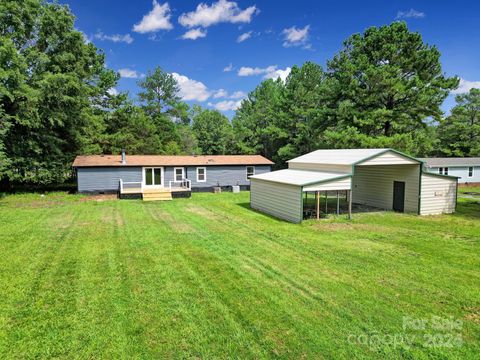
(209,278)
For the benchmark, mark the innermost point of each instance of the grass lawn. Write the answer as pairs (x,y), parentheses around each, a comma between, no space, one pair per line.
(209,278)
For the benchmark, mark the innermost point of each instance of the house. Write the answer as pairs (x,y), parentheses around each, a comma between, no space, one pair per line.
(466,169)
(157,176)
(379,178)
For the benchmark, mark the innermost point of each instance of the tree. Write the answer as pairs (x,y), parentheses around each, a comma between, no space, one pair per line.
(387,81)
(213,132)
(459,133)
(257,123)
(52,85)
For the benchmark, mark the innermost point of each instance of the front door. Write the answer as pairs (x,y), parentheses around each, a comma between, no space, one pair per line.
(153,176)
(398,196)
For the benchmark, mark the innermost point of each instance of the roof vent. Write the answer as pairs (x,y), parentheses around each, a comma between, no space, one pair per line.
(124,157)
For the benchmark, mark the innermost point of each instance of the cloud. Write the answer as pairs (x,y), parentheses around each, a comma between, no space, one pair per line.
(244,37)
(115,37)
(412,13)
(270,72)
(223,11)
(296,36)
(282,74)
(112,91)
(194,34)
(222,93)
(238,95)
(191,89)
(226,105)
(157,19)
(465,86)
(129,73)
(228,68)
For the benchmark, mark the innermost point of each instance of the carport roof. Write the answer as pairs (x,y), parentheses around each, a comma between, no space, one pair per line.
(299,177)
(343,156)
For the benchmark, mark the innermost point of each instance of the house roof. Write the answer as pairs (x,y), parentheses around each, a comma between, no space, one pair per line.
(343,156)
(299,177)
(169,160)
(467,161)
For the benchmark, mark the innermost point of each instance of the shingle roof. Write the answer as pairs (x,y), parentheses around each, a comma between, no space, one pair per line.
(299,177)
(169,160)
(467,161)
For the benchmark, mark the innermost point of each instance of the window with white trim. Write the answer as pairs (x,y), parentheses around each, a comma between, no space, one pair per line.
(440,171)
(470,171)
(250,171)
(201,174)
(445,171)
(179,173)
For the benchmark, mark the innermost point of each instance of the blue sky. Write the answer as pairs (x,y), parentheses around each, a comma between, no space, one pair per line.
(220,50)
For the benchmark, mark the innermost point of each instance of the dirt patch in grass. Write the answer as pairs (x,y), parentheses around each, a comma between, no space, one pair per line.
(99,197)
(202,212)
(334,226)
(473,314)
(175,224)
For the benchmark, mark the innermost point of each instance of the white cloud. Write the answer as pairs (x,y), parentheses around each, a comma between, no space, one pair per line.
(244,37)
(270,72)
(465,86)
(227,105)
(112,91)
(223,11)
(191,89)
(228,68)
(412,13)
(115,37)
(129,73)
(221,93)
(194,34)
(248,71)
(238,95)
(157,19)
(282,74)
(296,36)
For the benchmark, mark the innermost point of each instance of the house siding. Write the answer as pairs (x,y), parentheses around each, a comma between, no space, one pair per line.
(461,172)
(106,179)
(373,185)
(280,200)
(439,195)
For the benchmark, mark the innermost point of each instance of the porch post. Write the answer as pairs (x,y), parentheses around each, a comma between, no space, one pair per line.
(338,203)
(317,198)
(350,204)
(326,202)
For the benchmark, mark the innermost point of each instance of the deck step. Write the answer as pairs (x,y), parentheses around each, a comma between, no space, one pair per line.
(157,196)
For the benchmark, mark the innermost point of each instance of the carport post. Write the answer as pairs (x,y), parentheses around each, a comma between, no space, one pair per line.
(317,198)
(349,204)
(338,204)
(326,202)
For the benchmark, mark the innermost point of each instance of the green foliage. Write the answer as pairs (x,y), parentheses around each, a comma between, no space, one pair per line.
(213,131)
(459,133)
(387,81)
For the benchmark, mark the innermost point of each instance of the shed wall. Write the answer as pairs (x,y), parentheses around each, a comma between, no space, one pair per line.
(341,184)
(99,179)
(343,169)
(280,200)
(438,196)
(390,158)
(373,185)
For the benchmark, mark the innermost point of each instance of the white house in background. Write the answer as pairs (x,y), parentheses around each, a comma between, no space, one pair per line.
(466,169)
(381,178)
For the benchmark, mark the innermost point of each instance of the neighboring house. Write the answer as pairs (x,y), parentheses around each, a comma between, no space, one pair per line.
(466,169)
(380,178)
(142,174)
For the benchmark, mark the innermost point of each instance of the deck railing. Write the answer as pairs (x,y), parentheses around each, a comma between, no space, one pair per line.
(185,184)
(130,185)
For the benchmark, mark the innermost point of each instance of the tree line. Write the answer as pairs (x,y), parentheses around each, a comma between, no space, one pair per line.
(383,89)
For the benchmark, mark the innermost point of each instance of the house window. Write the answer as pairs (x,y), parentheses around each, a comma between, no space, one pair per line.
(470,171)
(179,173)
(250,171)
(201,174)
(440,171)
(445,171)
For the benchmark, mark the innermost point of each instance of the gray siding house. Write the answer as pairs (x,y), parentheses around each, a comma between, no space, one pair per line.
(466,169)
(112,173)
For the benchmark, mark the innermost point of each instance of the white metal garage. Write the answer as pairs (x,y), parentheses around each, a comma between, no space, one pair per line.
(381,178)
